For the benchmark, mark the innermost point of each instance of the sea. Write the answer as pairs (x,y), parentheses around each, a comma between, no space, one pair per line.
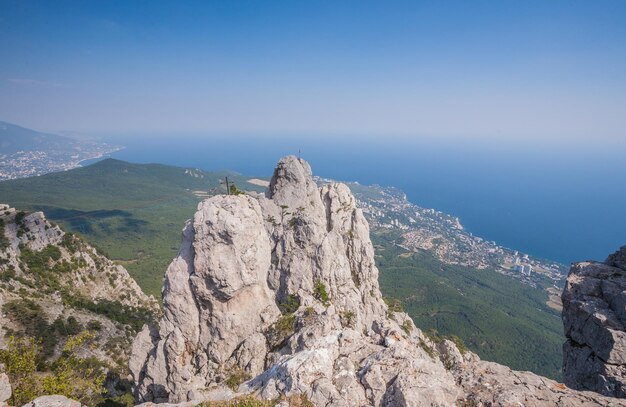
(558,202)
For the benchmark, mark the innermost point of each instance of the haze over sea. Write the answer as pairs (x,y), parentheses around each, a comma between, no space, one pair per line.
(559,203)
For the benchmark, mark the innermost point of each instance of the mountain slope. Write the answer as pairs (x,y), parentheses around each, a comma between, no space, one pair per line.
(499,318)
(52,285)
(14,138)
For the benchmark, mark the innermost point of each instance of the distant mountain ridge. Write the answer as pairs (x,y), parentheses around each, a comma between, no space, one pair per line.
(14,138)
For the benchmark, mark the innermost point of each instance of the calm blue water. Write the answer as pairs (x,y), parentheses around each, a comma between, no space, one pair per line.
(558,204)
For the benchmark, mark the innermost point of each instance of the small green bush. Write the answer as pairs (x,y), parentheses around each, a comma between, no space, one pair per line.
(281,330)
(7,275)
(285,324)
(135,317)
(4,241)
(19,217)
(236,378)
(70,243)
(393,306)
(321,293)
(235,191)
(73,327)
(94,325)
(291,305)
(20,360)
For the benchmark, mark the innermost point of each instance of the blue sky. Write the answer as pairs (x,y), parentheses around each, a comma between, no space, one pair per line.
(515,70)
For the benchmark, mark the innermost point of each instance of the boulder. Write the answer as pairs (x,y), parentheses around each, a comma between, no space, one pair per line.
(53,401)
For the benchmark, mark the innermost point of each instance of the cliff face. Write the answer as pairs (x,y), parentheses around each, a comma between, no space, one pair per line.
(594,317)
(277,295)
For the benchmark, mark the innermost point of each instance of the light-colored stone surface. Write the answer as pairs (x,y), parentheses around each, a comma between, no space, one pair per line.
(491,384)
(594,317)
(53,401)
(230,308)
(5,387)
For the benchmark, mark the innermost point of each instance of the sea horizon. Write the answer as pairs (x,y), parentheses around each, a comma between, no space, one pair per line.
(560,206)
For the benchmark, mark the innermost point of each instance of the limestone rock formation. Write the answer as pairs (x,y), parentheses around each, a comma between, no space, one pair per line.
(277,295)
(53,401)
(5,387)
(594,318)
(89,273)
(491,384)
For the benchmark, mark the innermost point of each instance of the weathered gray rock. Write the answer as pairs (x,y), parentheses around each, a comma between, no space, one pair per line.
(5,387)
(618,259)
(53,401)
(594,318)
(276,296)
(491,384)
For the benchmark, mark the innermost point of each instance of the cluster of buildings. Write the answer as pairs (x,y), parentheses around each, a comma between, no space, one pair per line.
(521,265)
(22,164)
(444,236)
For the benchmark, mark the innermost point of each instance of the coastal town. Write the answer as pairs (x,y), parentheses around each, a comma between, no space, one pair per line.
(444,236)
(22,164)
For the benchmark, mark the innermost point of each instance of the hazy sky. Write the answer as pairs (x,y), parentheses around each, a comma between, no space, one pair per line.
(478,69)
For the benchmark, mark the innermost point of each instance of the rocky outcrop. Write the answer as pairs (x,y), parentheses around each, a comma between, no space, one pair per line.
(62,277)
(492,384)
(277,295)
(594,318)
(85,271)
(5,387)
(53,401)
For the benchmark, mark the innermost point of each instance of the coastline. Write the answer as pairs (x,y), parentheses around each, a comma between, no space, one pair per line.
(96,158)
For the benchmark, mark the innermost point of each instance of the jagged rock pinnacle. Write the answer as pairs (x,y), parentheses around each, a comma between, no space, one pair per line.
(278,295)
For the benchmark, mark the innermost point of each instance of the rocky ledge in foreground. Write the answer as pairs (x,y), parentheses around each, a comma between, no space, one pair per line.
(594,316)
(277,295)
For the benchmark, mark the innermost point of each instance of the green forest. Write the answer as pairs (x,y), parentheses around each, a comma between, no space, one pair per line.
(497,317)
